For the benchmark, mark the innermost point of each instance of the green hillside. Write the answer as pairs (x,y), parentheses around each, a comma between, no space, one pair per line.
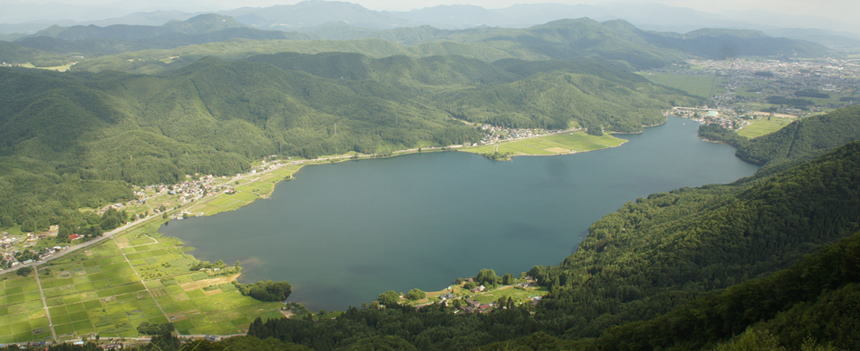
(808,303)
(801,307)
(74,131)
(12,53)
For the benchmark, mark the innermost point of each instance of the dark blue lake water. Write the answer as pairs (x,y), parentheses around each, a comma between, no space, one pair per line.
(343,233)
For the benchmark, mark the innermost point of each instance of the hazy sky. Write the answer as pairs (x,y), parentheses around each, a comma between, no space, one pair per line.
(838,13)
(824,8)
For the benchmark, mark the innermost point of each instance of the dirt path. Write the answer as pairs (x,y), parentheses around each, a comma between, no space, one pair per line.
(45,304)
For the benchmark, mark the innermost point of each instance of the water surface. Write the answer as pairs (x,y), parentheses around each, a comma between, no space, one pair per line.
(343,233)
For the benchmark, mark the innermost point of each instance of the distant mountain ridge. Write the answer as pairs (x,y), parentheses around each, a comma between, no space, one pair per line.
(566,39)
(307,16)
(96,40)
(313,13)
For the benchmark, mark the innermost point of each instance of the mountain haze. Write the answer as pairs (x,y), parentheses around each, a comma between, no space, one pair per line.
(95,40)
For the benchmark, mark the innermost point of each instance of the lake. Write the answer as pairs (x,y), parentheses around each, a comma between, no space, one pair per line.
(343,233)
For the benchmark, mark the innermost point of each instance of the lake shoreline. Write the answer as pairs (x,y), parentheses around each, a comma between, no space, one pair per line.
(207,237)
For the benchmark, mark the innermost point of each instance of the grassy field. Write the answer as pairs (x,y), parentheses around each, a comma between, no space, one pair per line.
(703,86)
(764,126)
(556,144)
(519,295)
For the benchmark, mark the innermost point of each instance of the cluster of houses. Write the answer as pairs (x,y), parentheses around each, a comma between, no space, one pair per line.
(830,70)
(748,81)
(495,134)
(12,247)
(10,259)
(468,305)
(723,117)
(195,189)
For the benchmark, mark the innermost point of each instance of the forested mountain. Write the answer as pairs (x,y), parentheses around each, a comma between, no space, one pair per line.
(683,270)
(810,302)
(801,140)
(95,40)
(729,43)
(13,53)
(63,133)
(618,39)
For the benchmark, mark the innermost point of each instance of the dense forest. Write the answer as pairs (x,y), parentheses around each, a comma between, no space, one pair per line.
(79,140)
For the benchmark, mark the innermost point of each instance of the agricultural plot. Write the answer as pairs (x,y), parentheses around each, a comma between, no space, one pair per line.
(196,302)
(96,292)
(764,126)
(112,287)
(556,144)
(22,315)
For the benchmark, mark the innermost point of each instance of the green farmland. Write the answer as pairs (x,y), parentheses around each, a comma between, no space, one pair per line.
(556,144)
(23,315)
(110,288)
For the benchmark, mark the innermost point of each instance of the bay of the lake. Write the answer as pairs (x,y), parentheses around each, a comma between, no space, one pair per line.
(343,233)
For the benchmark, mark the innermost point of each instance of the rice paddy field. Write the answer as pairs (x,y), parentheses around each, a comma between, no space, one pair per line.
(23,315)
(556,144)
(110,288)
